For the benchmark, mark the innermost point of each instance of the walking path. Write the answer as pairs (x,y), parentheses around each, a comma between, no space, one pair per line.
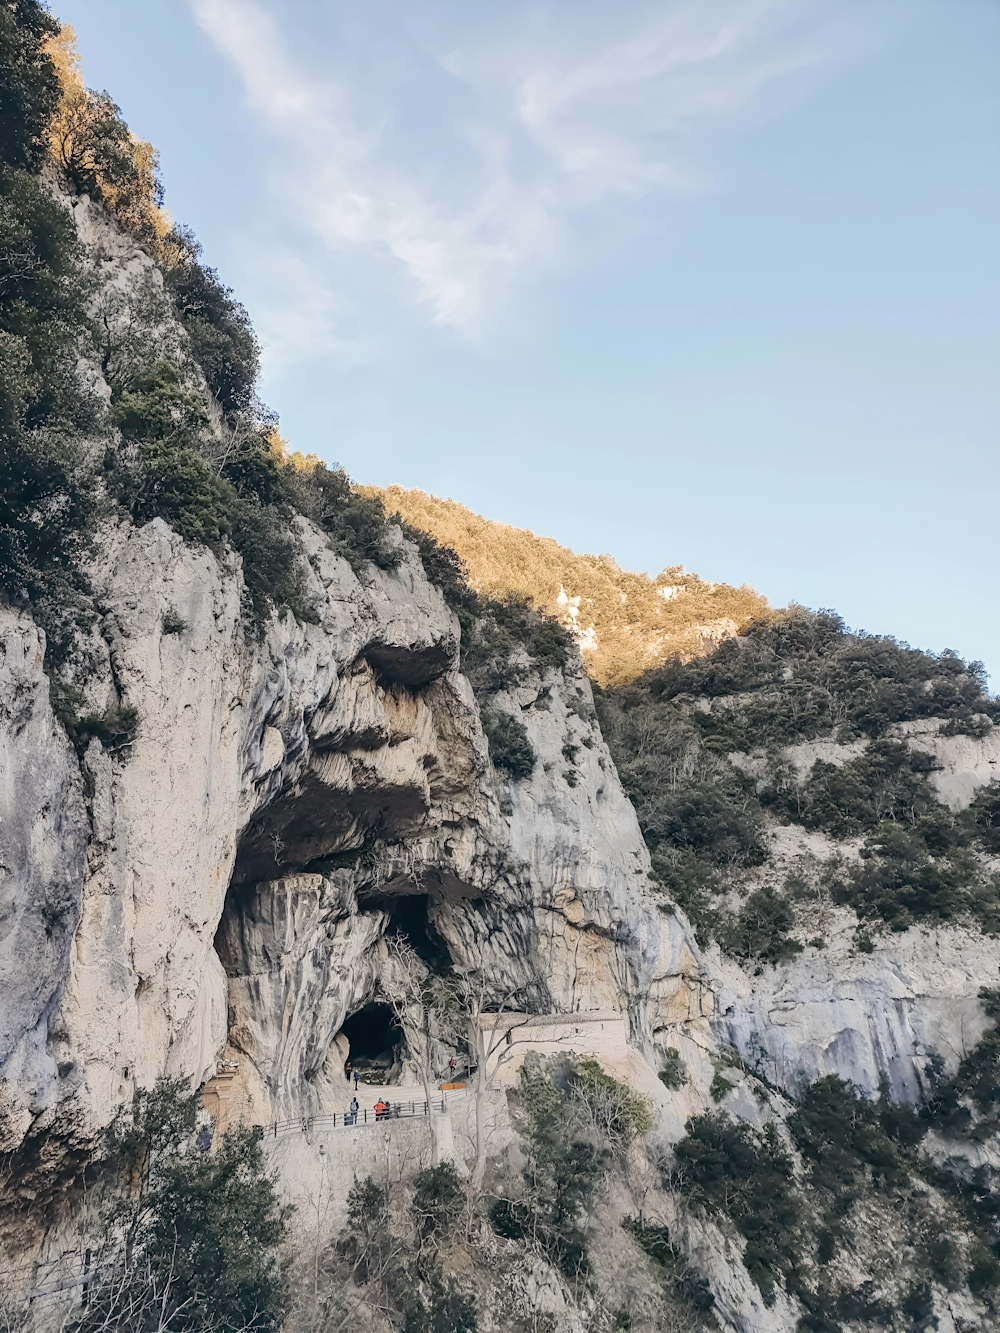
(402,1103)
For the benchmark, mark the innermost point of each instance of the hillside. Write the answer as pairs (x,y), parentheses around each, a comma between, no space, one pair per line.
(710,942)
(624,623)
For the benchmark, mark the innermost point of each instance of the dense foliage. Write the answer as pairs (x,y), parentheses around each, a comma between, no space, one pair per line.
(192,1240)
(854,1150)
(206,462)
(672,734)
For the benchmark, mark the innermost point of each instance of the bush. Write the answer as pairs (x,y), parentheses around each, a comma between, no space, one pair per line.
(221,336)
(29,88)
(115,728)
(806,675)
(975,1086)
(155,407)
(437,1203)
(193,1239)
(504,640)
(273,567)
(616,1114)
(747,1176)
(655,1242)
(509,745)
(177,486)
(983,819)
(760,931)
(887,783)
(672,1074)
(897,883)
(558,1179)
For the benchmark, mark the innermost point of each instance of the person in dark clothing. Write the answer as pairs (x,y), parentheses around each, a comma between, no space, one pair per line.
(347,1070)
(356,1077)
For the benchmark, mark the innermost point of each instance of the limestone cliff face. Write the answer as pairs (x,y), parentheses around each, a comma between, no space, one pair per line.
(173,895)
(223,884)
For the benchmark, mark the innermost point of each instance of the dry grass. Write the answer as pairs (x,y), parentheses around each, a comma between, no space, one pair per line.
(625,623)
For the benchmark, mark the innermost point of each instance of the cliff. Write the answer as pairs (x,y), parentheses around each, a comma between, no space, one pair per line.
(262,750)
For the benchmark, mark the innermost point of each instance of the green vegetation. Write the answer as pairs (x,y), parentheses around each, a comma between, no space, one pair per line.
(191,1239)
(392,1255)
(200,453)
(509,745)
(672,1074)
(747,1176)
(655,1242)
(786,680)
(854,1151)
(805,675)
(558,1180)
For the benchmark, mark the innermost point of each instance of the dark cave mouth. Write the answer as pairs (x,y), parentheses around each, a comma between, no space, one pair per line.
(375,1036)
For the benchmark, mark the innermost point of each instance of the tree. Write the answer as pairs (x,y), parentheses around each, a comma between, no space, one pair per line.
(493,1042)
(409,984)
(191,1241)
(29,87)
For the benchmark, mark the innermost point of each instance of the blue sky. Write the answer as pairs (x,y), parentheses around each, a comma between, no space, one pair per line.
(712,282)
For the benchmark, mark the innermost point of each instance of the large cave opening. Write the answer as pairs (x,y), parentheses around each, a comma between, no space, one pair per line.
(410,916)
(376,1039)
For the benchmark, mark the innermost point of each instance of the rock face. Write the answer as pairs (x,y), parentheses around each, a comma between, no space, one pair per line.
(223,883)
(286,799)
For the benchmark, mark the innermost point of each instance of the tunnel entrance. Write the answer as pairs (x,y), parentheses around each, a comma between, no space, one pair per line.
(376,1040)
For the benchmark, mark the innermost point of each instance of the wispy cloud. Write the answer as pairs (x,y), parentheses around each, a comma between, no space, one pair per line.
(455,168)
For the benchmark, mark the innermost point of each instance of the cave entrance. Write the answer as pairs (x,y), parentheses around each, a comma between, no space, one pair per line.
(375,1038)
(409,916)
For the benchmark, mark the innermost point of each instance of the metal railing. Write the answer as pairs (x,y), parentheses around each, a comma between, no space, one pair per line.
(351,1120)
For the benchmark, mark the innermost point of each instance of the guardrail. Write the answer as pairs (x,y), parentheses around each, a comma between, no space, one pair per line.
(348,1120)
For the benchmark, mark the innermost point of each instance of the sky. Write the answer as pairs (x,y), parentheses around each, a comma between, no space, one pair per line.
(700,282)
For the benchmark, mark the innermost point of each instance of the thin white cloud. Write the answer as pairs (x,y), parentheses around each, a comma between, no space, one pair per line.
(468,178)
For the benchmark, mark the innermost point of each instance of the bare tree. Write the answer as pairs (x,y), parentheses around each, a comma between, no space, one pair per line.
(494,1042)
(410,984)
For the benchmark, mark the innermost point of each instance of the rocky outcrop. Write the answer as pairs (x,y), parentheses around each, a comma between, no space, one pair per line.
(228,874)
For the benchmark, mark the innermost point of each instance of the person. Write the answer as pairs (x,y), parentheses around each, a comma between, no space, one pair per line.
(355,1108)
(451,1066)
(347,1070)
(357,1075)
(380,1109)
(352,1117)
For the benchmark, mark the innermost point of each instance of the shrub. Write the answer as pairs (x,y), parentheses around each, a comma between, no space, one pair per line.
(437,1203)
(672,1074)
(655,1242)
(29,87)
(760,930)
(558,1179)
(887,783)
(616,1114)
(193,1239)
(172,623)
(805,674)
(115,728)
(273,567)
(509,745)
(178,486)
(504,640)
(897,883)
(221,336)
(747,1176)
(155,407)
(983,818)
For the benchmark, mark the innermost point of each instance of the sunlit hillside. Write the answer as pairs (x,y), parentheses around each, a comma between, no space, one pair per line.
(625,623)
